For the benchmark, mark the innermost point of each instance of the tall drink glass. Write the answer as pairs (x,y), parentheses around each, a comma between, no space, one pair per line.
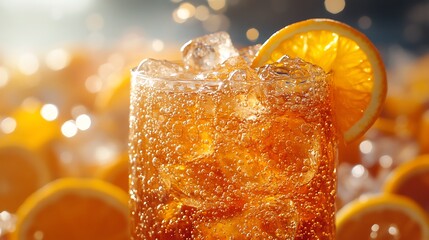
(233,153)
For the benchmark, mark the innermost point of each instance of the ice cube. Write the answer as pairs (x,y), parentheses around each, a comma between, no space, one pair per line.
(249,107)
(177,220)
(266,217)
(242,75)
(233,69)
(159,68)
(295,149)
(295,85)
(235,62)
(199,184)
(239,70)
(252,171)
(294,70)
(248,53)
(278,215)
(206,52)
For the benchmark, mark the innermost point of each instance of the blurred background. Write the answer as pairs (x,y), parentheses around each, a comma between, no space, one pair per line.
(64,75)
(39,26)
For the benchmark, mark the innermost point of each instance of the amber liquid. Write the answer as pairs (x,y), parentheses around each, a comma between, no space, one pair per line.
(231,161)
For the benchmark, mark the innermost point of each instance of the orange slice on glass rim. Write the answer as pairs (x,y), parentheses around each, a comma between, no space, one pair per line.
(72,208)
(359,76)
(382,217)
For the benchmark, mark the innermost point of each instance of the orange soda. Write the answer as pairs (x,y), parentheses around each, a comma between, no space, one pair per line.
(220,150)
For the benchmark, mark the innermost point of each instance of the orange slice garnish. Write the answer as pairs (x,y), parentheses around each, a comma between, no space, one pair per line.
(382,217)
(74,209)
(359,76)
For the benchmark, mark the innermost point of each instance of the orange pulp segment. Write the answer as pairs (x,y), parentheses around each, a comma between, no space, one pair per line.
(359,76)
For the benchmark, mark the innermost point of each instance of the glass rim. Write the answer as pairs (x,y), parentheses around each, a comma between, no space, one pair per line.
(174,79)
(140,74)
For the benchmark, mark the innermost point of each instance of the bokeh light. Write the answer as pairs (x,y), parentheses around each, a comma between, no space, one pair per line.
(366,146)
(8,125)
(105,153)
(183,12)
(386,161)
(83,122)
(217,5)
(335,6)
(28,63)
(216,22)
(93,84)
(252,34)
(157,45)
(57,59)
(202,13)
(358,171)
(364,22)
(49,112)
(69,129)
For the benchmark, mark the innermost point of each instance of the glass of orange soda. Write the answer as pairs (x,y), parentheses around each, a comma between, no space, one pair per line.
(221,150)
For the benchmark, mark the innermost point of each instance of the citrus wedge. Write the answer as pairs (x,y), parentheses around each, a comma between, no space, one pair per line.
(359,76)
(22,172)
(411,180)
(382,217)
(74,209)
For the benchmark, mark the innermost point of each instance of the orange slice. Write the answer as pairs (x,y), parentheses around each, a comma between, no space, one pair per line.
(116,173)
(357,69)
(22,172)
(74,209)
(382,217)
(411,180)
